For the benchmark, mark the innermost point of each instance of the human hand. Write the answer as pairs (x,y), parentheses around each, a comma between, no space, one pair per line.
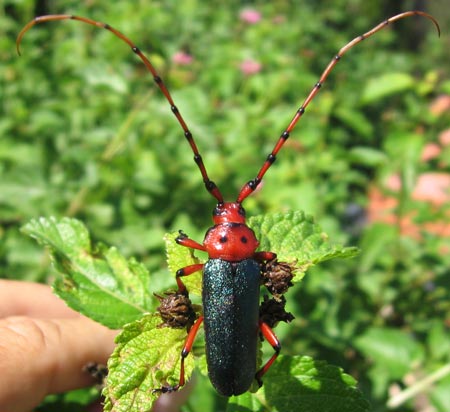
(44,345)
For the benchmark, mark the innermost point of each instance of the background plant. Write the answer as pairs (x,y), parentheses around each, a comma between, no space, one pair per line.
(85,133)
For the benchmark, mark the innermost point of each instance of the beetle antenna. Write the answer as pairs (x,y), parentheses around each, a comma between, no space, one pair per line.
(209,184)
(250,186)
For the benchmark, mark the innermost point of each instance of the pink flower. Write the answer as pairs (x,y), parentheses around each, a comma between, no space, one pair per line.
(430,151)
(444,138)
(433,187)
(250,16)
(182,58)
(249,67)
(440,105)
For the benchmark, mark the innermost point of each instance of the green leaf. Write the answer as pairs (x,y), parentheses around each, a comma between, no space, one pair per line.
(386,85)
(438,339)
(78,399)
(296,238)
(377,237)
(391,350)
(367,156)
(404,150)
(355,120)
(96,281)
(146,357)
(440,394)
(301,384)
(245,403)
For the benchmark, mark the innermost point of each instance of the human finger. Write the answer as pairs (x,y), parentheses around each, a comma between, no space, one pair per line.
(18,298)
(44,356)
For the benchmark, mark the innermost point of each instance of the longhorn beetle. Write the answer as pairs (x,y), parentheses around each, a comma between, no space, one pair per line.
(231,275)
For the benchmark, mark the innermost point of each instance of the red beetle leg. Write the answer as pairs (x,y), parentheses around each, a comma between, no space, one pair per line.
(183,240)
(270,336)
(260,256)
(185,352)
(186,271)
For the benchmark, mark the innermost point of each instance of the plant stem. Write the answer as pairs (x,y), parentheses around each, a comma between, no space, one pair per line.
(420,386)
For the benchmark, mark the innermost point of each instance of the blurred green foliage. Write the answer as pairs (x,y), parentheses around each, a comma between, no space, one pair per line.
(85,133)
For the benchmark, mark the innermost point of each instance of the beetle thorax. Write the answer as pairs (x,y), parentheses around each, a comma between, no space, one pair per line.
(230,238)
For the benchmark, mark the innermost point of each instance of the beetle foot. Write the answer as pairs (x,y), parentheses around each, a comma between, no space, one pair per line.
(166,389)
(181,236)
(259,381)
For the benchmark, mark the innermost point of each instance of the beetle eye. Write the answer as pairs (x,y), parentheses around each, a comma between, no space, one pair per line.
(219,210)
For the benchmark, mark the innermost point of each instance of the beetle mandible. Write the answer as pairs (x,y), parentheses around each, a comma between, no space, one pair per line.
(231,275)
